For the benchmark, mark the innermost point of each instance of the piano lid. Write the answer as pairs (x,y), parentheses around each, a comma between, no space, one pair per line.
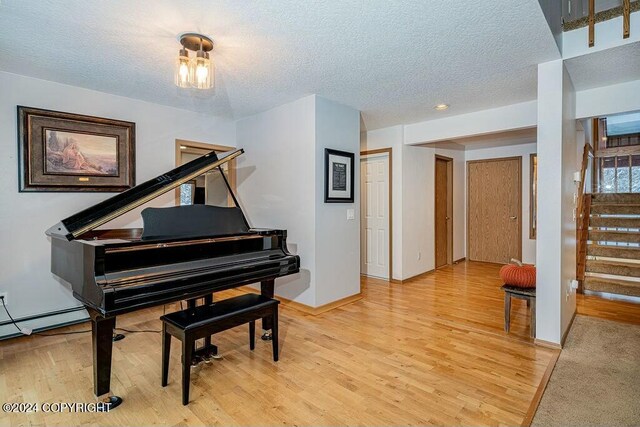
(90,218)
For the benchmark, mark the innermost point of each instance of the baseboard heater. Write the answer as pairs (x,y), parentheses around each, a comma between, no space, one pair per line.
(42,316)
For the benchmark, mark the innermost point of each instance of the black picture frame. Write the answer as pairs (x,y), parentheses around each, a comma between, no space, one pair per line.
(338,176)
(67,152)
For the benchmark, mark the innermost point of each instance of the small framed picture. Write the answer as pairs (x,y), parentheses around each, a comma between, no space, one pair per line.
(71,152)
(338,176)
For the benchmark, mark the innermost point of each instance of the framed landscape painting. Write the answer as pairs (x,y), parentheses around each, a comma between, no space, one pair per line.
(338,176)
(70,152)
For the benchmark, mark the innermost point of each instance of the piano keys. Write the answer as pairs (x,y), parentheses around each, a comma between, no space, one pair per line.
(180,253)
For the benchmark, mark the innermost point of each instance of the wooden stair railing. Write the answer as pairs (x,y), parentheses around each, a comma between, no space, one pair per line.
(582,237)
(592,23)
(592,17)
(583,211)
(626,18)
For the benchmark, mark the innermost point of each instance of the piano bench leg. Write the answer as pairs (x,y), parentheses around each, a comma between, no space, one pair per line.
(274,337)
(187,345)
(252,335)
(166,351)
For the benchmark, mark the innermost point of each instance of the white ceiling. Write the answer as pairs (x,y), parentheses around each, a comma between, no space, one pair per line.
(606,67)
(392,60)
(492,140)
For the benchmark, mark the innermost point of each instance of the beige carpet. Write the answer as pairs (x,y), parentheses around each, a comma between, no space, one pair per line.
(596,381)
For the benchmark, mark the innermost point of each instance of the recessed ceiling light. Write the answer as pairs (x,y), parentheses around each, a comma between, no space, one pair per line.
(441,107)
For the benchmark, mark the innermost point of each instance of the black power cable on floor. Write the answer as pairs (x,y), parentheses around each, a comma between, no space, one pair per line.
(9,314)
(64,333)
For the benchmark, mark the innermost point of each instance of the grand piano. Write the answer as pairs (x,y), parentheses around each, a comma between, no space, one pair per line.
(181,253)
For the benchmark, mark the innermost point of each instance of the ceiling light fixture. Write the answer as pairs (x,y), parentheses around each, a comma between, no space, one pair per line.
(196,72)
(441,107)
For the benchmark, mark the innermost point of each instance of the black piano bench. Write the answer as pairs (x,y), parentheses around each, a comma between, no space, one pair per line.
(194,323)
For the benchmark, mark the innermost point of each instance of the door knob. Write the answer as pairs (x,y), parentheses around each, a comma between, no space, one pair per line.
(513,217)
(447,218)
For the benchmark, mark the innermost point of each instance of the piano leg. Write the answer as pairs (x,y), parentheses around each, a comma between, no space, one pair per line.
(267,289)
(102,340)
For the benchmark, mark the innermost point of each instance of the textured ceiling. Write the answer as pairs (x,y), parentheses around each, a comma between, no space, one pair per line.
(606,67)
(392,60)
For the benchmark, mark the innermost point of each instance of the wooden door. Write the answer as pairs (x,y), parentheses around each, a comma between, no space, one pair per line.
(443,212)
(494,209)
(374,216)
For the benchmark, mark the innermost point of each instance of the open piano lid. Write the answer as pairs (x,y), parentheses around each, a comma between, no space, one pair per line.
(103,212)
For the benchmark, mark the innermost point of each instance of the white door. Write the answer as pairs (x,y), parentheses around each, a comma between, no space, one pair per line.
(374,212)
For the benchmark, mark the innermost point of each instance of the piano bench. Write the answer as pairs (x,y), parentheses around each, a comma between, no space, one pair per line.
(194,323)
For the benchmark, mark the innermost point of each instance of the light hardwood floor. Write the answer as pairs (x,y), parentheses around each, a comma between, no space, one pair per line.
(620,311)
(428,351)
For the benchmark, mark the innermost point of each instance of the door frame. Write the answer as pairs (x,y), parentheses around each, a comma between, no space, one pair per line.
(195,147)
(497,159)
(388,151)
(449,161)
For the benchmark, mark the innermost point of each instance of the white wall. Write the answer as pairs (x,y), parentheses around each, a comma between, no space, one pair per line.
(524,151)
(607,100)
(414,196)
(24,217)
(548,255)
(391,137)
(337,239)
(608,34)
(557,160)
(552,10)
(276,184)
(501,119)
(281,185)
(418,181)
(571,162)
(412,201)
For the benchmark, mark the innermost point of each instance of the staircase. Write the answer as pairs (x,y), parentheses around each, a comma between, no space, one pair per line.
(613,248)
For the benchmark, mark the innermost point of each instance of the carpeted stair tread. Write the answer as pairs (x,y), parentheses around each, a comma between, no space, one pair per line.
(616,209)
(624,252)
(614,236)
(614,221)
(616,268)
(615,198)
(611,286)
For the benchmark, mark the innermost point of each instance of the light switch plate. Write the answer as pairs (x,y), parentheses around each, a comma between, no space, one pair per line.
(351,214)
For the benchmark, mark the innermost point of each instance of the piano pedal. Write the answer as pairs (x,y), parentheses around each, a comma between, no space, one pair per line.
(109,403)
(117,337)
(266,336)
